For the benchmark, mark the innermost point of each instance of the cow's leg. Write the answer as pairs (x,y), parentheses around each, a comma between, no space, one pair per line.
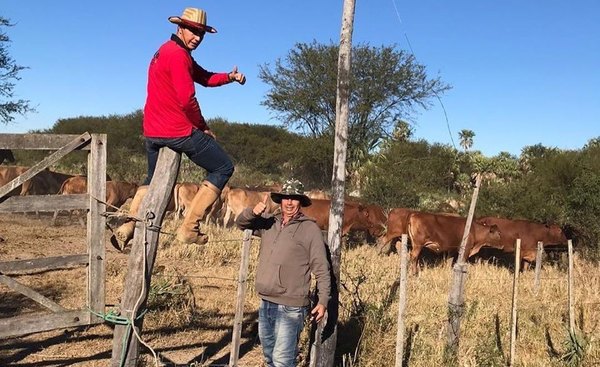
(227,216)
(189,231)
(414,259)
(125,232)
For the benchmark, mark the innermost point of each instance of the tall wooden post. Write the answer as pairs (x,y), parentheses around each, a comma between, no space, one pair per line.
(538,266)
(456,298)
(326,338)
(570,289)
(239,300)
(513,318)
(401,301)
(141,259)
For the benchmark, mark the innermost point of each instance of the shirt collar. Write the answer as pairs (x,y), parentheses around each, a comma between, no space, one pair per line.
(179,42)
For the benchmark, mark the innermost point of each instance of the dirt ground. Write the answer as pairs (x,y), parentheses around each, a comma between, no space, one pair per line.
(190,314)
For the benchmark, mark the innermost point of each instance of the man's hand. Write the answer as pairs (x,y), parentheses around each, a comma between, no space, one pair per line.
(318,312)
(260,207)
(210,133)
(235,76)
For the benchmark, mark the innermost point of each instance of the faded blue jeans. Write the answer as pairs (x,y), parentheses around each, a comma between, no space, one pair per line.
(279,329)
(201,149)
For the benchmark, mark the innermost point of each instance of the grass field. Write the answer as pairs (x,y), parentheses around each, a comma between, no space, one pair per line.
(191,306)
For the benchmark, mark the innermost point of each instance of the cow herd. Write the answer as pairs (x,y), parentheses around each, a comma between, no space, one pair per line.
(440,233)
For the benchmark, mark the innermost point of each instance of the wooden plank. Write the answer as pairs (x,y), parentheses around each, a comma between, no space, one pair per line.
(28,324)
(30,293)
(37,141)
(46,162)
(96,223)
(42,264)
(240,299)
(141,258)
(44,203)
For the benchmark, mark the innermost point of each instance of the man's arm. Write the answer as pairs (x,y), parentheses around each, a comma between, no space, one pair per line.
(320,267)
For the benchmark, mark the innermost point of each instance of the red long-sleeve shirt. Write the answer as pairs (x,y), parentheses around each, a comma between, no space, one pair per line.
(171,109)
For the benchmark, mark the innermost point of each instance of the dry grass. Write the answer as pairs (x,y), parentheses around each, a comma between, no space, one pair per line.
(191,308)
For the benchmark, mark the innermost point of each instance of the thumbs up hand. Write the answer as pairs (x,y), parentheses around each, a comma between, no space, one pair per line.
(236,76)
(261,206)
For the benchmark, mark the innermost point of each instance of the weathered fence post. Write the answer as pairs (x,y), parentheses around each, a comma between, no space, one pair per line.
(513,319)
(571,304)
(326,336)
(141,259)
(456,298)
(240,298)
(538,266)
(401,301)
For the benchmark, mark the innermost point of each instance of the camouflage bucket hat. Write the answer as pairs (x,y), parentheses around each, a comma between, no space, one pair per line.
(294,189)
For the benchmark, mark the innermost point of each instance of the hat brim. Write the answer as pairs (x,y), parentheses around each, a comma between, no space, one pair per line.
(183,22)
(304,200)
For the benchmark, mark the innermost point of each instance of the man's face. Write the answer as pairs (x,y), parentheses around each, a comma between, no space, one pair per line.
(191,37)
(289,206)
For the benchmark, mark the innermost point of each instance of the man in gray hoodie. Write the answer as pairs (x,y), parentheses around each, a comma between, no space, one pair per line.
(291,248)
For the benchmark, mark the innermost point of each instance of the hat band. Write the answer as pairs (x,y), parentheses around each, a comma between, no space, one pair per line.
(189,23)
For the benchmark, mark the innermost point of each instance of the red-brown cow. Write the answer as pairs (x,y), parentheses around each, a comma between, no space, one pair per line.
(355,216)
(443,234)
(396,226)
(529,233)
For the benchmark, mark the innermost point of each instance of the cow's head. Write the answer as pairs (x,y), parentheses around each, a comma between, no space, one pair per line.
(493,237)
(555,235)
(374,219)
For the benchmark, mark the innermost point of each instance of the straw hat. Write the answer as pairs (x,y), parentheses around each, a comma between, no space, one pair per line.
(193,18)
(292,188)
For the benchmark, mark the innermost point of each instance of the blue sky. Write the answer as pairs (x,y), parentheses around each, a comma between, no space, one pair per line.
(523,72)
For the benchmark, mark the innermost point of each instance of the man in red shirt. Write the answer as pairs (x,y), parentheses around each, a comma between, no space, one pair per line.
(172,118)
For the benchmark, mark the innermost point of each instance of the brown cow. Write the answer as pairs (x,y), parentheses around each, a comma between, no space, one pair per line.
(529,233)
(184,195)
(74,185)
(9,173)
(355,216)
(318,194)
(396,226)
(117,193)
(238,199)
(443,234)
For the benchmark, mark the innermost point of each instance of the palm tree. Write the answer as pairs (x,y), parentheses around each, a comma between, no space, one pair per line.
(466,138)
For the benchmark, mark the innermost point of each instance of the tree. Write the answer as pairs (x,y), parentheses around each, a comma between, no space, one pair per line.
(466,138)
(387,85)
(9,72)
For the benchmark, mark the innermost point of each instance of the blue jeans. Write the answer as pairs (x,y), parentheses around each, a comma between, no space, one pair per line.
(279,329)
(201,149)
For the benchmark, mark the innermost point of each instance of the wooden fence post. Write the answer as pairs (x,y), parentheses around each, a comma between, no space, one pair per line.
(141,259)
(513,319)
(240,298)
(571,304)
(456,297)
(538,266)
(401,301)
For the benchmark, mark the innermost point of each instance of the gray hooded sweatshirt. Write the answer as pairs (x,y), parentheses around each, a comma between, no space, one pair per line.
(286,258)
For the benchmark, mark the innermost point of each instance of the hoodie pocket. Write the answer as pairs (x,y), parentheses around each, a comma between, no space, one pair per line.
(268,280)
